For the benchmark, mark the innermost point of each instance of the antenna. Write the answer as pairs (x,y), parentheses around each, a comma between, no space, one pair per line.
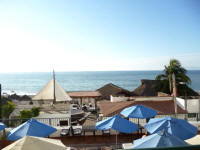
(53,74)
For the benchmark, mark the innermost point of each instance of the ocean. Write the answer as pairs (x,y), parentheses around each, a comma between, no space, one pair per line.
(31,83)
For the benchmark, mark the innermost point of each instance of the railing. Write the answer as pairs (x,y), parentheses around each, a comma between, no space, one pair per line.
(91,121)
(49,121)
(188,117)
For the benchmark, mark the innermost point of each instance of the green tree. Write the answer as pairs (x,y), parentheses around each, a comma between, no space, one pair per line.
(7,109)
(25,114)
(174,67)
(35,111)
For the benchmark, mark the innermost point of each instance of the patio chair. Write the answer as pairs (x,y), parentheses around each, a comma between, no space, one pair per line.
(76,130)
(127,145)
(106,132)
(65,132)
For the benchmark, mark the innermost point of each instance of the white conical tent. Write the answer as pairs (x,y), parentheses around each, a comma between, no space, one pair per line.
(36,143)
(47,93)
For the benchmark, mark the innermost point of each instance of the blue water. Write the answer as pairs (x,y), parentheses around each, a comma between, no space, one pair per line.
(31,83)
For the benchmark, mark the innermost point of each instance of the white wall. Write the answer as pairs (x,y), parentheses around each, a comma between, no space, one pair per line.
(180,102)
(118,99)
(193,105)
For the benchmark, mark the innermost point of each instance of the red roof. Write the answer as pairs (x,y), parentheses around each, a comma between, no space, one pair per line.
(108,108)
(80,94)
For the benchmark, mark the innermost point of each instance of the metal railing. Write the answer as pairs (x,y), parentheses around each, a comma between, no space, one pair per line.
(188,117)
(49,121)
(90,121)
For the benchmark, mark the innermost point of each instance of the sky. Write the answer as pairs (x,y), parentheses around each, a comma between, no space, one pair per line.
(95,35)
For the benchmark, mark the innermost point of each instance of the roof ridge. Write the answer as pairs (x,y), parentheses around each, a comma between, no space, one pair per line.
(118,87)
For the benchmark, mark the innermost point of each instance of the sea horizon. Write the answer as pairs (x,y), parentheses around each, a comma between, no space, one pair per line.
(30,83)
(19,72)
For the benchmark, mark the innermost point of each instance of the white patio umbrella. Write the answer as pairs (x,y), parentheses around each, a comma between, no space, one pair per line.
(194,141)
(36,143)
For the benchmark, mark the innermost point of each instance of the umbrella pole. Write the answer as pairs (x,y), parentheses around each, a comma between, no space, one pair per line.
(116,141)
(139,127)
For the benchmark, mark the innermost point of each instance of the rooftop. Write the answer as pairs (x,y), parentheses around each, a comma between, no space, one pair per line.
(112,89)
(164,107)
(84,94)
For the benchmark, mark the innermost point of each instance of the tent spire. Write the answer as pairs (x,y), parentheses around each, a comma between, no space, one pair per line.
(53,92)
(54,89)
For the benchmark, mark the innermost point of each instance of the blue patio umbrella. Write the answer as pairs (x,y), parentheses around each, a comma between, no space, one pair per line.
(117,123)
(177,127)
(2,126)
(138,111)
(31,127)
(159,139)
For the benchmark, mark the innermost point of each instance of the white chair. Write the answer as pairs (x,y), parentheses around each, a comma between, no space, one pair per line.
(127,145)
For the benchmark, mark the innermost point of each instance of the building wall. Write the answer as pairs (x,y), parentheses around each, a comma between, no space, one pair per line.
(85,101)
(118,99)
(193,105)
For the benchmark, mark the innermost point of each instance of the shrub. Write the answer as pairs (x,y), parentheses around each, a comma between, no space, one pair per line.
(25,114)
(7,109)
(35,111)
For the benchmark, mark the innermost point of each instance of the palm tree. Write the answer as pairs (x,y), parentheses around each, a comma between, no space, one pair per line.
(174,67)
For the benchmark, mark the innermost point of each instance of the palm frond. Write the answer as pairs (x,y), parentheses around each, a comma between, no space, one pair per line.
(161,77)
(176,68)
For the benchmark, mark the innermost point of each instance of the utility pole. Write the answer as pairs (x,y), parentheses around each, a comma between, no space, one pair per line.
(185,95)
(174,93)
(186,106)
(54,89)
(185,98)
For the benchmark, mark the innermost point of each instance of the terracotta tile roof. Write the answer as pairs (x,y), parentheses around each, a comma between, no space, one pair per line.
(84,94)
(162,107)
(108,108)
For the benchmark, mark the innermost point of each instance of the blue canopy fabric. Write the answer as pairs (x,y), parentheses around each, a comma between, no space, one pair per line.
(138,111)
(177,127)
(31,127)
(117,123)
(2,126)
(159,139)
